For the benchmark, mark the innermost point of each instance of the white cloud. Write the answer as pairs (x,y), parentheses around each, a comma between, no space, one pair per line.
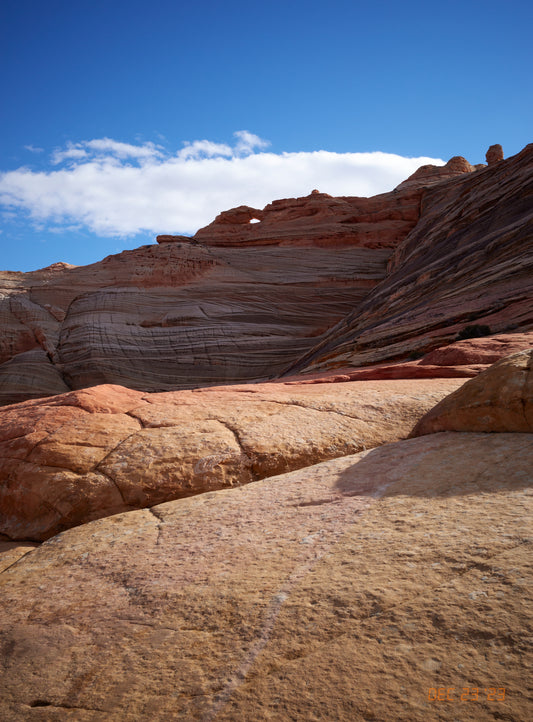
(34,149)
(73,150)
(119,189)
(204,149)
(105,149)
(247,142)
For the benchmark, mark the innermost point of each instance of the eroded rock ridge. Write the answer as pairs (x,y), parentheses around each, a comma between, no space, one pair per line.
(307,283)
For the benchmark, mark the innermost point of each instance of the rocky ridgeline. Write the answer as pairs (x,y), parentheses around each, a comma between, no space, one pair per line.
(467,263)
(316,283)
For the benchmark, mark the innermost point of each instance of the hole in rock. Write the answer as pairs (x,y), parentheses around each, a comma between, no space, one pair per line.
(254,220)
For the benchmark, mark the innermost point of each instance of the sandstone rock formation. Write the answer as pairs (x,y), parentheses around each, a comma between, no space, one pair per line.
(494,154)
(499,399)
(486,350)
(357,589)
(75,457)
(316,283)
(461,359)
(430,174)
(217,309)
(468,261)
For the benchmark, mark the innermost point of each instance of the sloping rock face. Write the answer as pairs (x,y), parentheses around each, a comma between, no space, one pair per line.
(307,283)
(240,301)
(486,350)
(462,359)
(83,455)
(499,399)
(429,174)
(393,584)
(467,263)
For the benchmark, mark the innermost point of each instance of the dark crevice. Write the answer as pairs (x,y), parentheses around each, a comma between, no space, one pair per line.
(111,451)
(115,484)
(46,703)
(132,415)
(160,522)
(236,436)
(23,556)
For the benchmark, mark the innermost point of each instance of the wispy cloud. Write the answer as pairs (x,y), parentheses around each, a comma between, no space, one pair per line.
(34,149)
(120,189)
(105,149)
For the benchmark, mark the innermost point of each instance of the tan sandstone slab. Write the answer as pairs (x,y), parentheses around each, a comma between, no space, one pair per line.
(91,453)
(345,591)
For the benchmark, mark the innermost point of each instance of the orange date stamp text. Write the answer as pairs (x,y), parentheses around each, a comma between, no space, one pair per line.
(466,694)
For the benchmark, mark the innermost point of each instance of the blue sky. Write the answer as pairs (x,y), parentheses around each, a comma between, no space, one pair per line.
(123,119)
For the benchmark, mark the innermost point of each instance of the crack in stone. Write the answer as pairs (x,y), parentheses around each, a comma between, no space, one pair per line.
(132,415)
(111,451)
(320,411)
(115,484)
(23,556)
(45,703)
(247,460)
(160,522)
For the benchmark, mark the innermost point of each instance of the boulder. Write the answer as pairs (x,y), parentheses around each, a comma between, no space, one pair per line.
(499,399)
(429,174)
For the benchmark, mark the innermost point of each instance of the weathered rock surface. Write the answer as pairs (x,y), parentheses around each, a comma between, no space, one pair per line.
(238,301)
(68,459)
(499,399)
(479,351)
(494,154)
(430,174)
(462,359)
(175,315)
(352,590)
(468,261)
(319,219)
(243,300)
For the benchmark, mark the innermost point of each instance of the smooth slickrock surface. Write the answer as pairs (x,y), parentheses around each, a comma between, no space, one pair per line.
(79,456)
(499,399)
(347,591)
(467,262)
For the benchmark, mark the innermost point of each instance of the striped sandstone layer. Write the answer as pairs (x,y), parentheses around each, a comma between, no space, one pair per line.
(467,262)
(238,302)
